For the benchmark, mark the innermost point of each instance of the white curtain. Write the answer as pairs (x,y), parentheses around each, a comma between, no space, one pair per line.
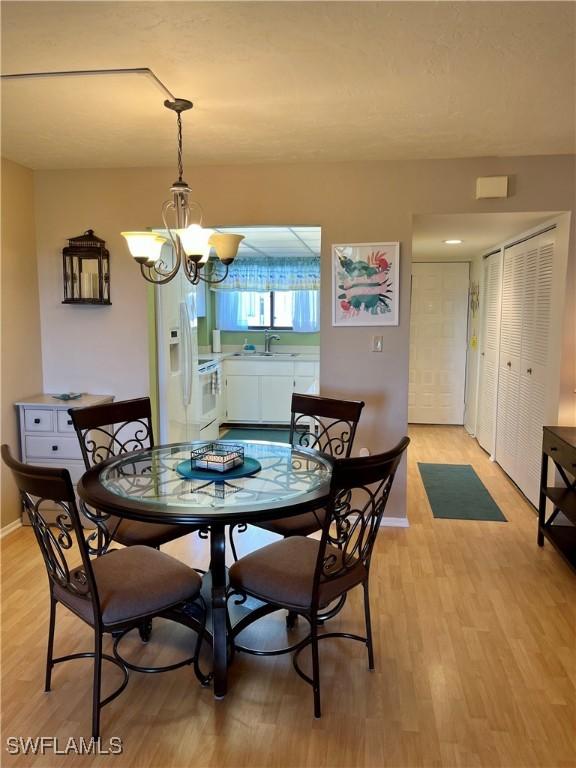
(233,307)
(306,317)
(230,311)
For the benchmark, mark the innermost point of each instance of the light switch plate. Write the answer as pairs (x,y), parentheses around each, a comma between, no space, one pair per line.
(377,343)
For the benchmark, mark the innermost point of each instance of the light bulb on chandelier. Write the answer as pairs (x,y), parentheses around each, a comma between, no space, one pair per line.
(191,243)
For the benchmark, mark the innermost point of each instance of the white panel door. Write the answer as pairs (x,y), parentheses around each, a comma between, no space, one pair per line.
(438,326)
(489,347)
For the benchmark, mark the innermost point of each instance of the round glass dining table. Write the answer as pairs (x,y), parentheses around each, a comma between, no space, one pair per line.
(153,486)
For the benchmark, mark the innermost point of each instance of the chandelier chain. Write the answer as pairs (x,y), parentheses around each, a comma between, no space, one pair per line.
(180,167)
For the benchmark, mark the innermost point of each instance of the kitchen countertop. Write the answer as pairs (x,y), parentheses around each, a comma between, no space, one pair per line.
(296,354)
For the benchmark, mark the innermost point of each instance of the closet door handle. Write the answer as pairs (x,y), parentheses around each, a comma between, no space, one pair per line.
(529,370)
(482,354)
(509,364)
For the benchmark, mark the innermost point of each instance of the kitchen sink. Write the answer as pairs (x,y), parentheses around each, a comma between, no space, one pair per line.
(254,355)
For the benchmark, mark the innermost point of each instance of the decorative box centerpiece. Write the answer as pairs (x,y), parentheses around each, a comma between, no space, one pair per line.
(217,457)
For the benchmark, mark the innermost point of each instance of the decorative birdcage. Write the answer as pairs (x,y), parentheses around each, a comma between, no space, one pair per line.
(86,268)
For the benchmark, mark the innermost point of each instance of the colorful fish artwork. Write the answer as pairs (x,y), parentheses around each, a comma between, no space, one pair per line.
(365,284)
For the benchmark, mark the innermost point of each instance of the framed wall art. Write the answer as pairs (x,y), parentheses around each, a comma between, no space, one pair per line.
(365,284)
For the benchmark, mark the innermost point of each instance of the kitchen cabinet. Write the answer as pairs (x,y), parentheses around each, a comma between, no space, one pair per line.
(47,436)
(276,398)
(260,391)
(242,398)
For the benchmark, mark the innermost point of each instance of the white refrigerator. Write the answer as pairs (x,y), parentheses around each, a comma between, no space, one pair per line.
(177,359)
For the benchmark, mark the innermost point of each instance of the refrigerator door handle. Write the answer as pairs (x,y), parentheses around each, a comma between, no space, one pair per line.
(186,342)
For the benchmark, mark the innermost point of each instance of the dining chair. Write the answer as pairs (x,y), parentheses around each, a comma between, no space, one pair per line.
(304,575)
(108,430)
(325,424)
(113,593)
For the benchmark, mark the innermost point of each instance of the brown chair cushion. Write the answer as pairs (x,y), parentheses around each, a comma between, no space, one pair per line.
(134,582)
(131,532)
(299,525)
(283,573)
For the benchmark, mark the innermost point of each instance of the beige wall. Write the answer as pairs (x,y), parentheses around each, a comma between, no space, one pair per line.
(105,349)
(21,354)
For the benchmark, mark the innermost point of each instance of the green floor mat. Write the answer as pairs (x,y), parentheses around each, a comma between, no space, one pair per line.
(272,435)
(456,492)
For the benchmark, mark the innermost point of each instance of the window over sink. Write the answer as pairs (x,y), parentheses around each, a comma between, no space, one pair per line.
(254,310)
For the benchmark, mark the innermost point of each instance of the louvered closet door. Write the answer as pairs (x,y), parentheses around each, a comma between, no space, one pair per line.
(490,343)
(536,319)
(507,415)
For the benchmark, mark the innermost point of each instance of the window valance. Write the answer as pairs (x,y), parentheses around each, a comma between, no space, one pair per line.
(269,273)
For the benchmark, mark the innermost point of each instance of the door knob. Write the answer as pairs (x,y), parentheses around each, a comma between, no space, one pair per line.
(509,364)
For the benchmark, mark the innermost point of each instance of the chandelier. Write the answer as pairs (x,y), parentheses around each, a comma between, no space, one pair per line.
(192,244)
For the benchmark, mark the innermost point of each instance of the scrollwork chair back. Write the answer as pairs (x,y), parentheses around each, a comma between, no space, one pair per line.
(39,486)
(324,423)
(360,489)
(112,429)
(104,431)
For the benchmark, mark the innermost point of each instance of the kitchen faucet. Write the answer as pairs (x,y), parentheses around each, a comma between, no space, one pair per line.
(268,338)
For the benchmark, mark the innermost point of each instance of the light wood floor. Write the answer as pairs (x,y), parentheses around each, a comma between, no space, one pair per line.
(475,657)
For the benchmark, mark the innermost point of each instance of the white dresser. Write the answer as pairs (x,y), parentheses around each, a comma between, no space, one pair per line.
(47,436)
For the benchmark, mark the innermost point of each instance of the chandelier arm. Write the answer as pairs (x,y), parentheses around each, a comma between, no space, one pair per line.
(219,280)
(191,270)
(162,279)
(167,206)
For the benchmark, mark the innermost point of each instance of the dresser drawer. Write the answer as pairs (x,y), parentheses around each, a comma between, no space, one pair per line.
(54,447)
(38,420)
(64,422)
(559,451)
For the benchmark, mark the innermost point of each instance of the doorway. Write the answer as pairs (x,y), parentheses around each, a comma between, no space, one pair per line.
(441,240)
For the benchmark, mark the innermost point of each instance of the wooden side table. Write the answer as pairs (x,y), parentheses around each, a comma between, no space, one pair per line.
(559,444)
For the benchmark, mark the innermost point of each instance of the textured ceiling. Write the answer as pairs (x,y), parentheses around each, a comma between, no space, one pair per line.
(289,81)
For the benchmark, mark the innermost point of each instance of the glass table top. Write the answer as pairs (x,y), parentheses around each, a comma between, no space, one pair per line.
(288,476)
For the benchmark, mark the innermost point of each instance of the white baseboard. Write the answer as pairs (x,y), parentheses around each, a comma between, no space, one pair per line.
(10,528)
(395,522)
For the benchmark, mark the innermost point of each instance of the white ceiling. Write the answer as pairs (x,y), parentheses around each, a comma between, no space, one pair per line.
(277,241)
(288,81)
(478,231)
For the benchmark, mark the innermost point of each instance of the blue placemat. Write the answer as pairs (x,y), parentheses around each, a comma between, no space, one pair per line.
(250,467)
